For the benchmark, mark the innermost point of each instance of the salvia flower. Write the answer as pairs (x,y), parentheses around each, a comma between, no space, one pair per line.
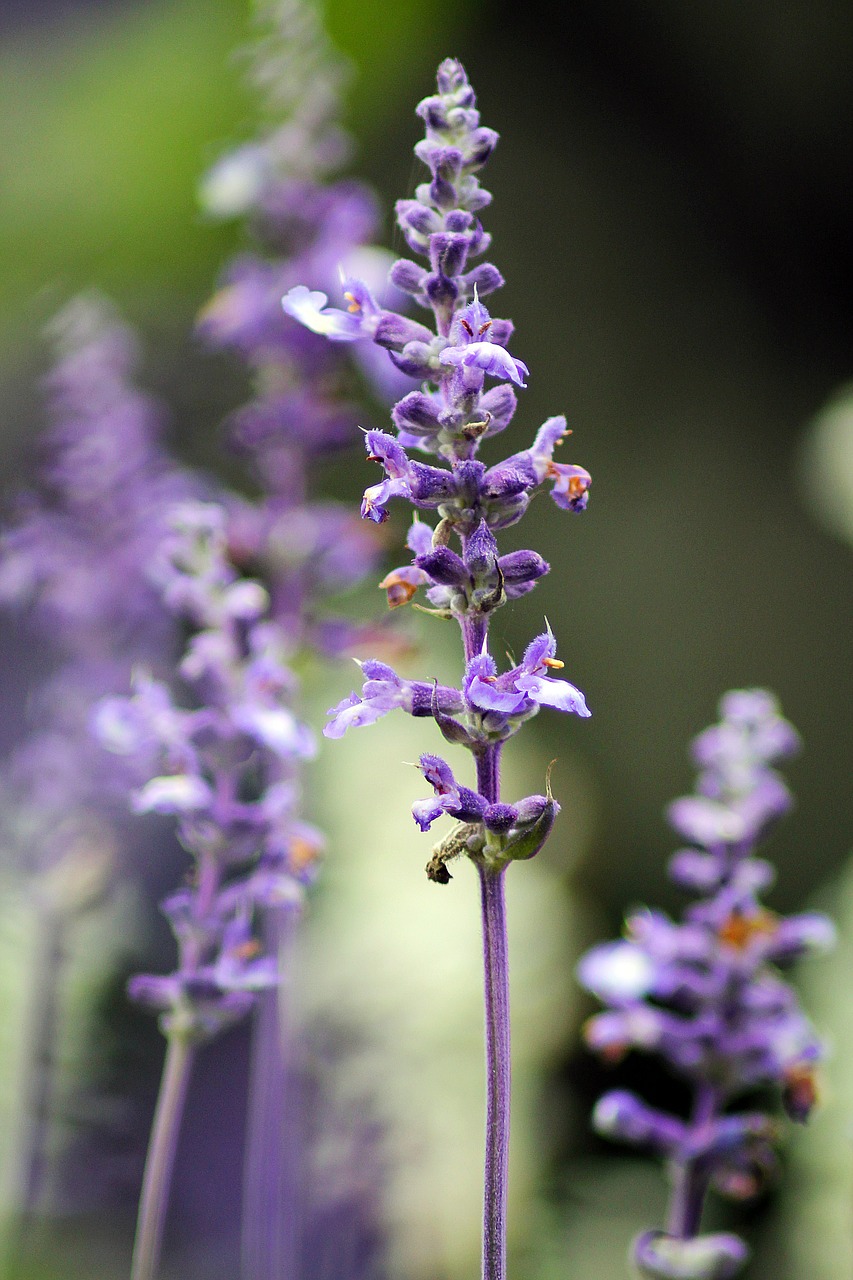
(74,565)
(707,993)
(227,770)
(301,224)
(467,375)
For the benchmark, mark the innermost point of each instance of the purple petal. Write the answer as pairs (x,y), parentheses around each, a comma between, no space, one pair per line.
(425,812)
(554,693)
(488,697)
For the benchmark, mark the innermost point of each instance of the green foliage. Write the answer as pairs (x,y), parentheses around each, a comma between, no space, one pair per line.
(105,128)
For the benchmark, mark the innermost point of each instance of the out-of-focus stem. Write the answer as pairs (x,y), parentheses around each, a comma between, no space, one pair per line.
(38,1074)
(159,1163)
(270,1199)
(691,1178)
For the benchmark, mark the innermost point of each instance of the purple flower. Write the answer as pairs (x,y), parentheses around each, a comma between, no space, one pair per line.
(526,687)
(226,770)
(310,307)
(384,691)
(471,348)
(705,992)
(450,797)
(459,561)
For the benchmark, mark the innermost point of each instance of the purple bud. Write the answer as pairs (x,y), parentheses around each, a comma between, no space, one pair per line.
(522,567)
(445,567)
(417,413)
(500,817)
(481,554)
(447,253)
(796,936)
(485,278)
(413,216)
(452,79)
(501,332)
(408,276)
(622,1115)
(710,1257)
(694,870)
(415,360)
(500,403)
(430,485)
(395,331)
(441,291)
(458,220)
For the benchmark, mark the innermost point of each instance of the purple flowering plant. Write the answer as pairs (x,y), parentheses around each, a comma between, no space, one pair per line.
(465,396)
(121,551)
(219,747)
(227,769)
(707,994)
(74,562)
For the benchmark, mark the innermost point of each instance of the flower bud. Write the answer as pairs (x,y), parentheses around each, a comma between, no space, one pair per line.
(710,1257)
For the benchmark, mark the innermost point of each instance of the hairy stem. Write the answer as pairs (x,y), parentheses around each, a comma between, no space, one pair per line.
(496,991)
(156,1181)
(496,975)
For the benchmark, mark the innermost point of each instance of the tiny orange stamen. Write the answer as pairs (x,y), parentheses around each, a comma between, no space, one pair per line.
(801,1090)
(246,950)
(354,304)
(739,930)
(302,853)
(554,663)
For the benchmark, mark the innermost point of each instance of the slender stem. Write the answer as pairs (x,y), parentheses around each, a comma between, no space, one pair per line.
(29,1159)
(496,974)
(40,1079)
(496,990)
(270,1188)
(691,1177)
(156,1181)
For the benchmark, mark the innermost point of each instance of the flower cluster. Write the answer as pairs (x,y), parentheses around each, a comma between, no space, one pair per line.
(226,770)
(75,562)
(299,223)
(487,709)
(707,994)
(226,762)
(449,415)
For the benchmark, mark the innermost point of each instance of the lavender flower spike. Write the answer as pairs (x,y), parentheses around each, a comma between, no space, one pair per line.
(227,770)
(457,561)
(708,996)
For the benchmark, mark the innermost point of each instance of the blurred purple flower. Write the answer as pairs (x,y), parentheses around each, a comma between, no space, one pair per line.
(705,993)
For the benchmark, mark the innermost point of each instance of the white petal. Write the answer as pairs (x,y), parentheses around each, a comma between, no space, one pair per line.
(616,971)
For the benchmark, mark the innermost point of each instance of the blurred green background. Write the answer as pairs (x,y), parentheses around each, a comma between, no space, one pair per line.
(672,214)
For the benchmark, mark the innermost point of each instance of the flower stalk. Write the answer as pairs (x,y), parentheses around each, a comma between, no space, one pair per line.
(448,412)
(498,1070)
(160,1159)
(707,994)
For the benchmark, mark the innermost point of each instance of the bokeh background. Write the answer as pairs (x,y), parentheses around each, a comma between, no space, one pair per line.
(672,212)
